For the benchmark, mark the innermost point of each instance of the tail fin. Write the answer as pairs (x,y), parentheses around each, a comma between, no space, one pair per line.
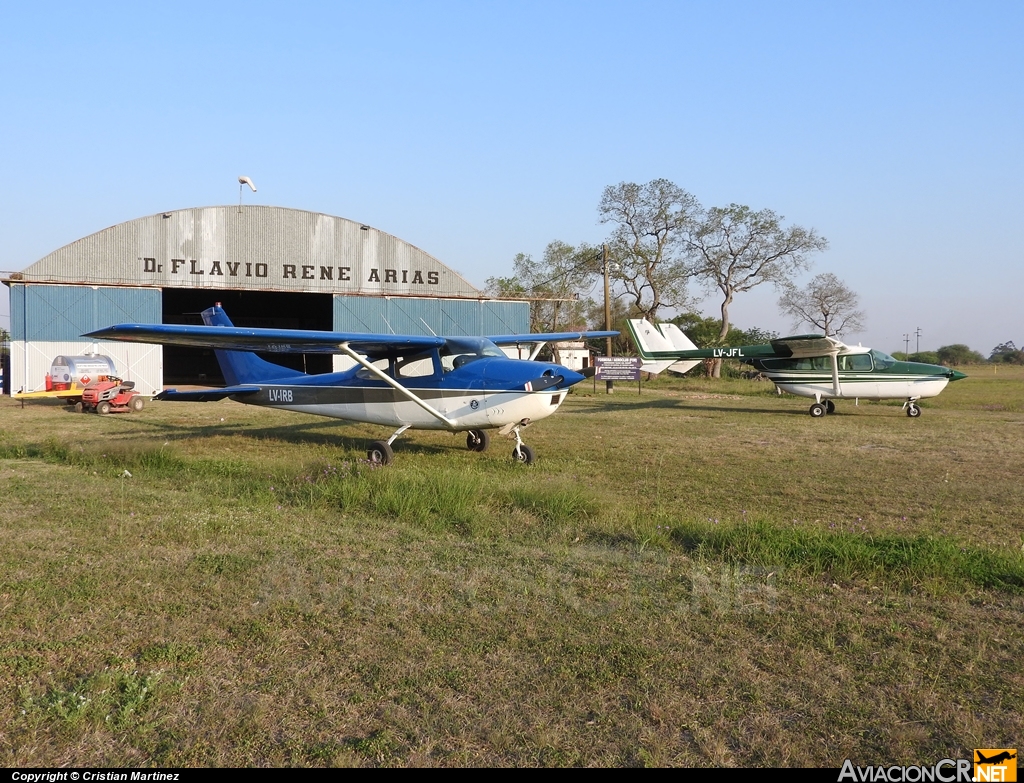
(241,367)
(661,338)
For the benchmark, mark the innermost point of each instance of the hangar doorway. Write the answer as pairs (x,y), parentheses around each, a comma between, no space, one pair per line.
(265,309)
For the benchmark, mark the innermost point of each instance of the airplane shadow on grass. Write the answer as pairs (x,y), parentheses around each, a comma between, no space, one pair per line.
(686,405)
(310,433)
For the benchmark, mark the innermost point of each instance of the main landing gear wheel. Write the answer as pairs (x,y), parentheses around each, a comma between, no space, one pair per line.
(523,454)
(830,407)
(380,453)
(477,440)
(913,411)
(818,410)
(137,404)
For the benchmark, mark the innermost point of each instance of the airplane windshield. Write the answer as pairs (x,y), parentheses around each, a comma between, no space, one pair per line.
(882,360)
(458,351)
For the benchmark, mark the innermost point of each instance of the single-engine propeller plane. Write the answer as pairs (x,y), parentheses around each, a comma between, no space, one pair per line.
(807,365)
(460,384)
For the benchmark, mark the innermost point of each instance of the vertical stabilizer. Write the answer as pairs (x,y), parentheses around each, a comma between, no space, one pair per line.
(661,338)
(241,367)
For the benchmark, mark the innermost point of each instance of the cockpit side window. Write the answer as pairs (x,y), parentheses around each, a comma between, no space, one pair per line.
(458,352)
(417,365)
(380,364)
(858,362)
(882,360)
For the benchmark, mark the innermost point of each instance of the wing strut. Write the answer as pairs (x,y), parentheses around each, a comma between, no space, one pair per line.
(835,372)
(396,385)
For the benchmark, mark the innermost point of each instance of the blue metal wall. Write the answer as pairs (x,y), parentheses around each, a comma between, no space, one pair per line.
(450,317)
(65,312)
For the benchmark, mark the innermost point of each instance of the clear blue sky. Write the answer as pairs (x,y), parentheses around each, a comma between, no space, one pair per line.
(479,130)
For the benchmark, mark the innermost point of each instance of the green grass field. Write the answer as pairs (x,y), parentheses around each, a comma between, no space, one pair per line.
(698,575)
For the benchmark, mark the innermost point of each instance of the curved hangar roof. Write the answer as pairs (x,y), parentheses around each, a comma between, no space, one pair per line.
(250,247)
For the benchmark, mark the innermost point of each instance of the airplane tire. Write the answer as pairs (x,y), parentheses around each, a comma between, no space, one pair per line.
(137,404)
(830,407)
(103,408)
(913,411)
(477,440)
(380,453)
(523,454)
(817,410)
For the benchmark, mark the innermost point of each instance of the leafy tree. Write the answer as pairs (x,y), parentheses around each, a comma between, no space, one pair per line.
(953,355)
(556,286)
(620,312)
(925,357)
(646,243)
(706,332)
(825,303)
(735,249)
(1007,353)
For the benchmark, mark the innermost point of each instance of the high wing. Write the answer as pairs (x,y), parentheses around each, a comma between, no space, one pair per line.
(806,345)
(235,338)
(550,337)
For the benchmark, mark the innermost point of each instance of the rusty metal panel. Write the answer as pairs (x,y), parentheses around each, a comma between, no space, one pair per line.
(251,248)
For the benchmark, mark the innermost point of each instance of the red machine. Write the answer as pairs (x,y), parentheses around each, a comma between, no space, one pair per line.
(111,396)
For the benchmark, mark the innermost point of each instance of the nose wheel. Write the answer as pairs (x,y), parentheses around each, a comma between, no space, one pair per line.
(522,453)
(913,411)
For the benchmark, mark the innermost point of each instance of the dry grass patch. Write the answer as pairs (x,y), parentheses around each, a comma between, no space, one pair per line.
(689,577)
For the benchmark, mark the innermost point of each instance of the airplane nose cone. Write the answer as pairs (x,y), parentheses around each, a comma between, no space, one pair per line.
(570,378)
(956,375)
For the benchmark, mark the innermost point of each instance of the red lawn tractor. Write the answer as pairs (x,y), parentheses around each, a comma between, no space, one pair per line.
(111,396)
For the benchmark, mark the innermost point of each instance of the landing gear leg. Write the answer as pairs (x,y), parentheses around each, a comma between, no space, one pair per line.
(380,451)
(522,453)
(477,440)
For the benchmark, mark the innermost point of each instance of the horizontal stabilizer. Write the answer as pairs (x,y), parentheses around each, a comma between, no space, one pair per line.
(205,395)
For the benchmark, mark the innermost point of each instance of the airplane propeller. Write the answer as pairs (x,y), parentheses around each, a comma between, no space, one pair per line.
(544,382)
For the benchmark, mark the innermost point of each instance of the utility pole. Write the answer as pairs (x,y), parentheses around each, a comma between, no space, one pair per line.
(918,333)
(609,387)
(906,343)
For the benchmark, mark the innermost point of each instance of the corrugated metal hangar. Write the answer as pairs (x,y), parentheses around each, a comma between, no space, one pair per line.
(269,266)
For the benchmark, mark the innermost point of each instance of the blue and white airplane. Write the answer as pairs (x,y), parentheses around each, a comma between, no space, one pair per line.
(460,384)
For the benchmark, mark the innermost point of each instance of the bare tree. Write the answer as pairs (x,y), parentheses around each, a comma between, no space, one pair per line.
(826,303)
(735,249)
(646,243)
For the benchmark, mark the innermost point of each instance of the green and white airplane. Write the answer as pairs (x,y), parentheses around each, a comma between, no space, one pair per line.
(807,365)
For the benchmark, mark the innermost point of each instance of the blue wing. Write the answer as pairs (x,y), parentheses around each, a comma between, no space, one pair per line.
(234,338)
